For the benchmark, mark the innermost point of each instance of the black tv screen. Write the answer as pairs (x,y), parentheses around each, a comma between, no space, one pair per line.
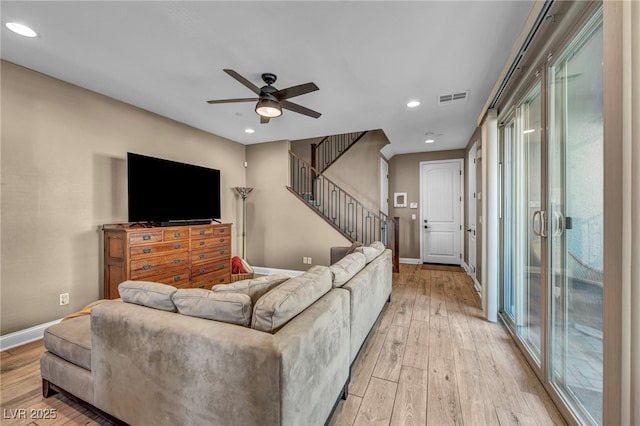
(163,191)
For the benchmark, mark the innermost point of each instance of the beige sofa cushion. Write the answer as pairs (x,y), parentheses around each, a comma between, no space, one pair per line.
(343,270)
(254,288)
(233,308)
(372,251)
(71,340)
(277,307)
(149,294)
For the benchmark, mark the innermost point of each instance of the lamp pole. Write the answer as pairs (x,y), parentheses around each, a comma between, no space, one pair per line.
(244,193)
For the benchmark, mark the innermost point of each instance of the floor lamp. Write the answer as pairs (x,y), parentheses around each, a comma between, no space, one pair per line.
(244,193)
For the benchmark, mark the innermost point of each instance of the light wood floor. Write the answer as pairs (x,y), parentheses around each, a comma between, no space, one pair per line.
(430,360)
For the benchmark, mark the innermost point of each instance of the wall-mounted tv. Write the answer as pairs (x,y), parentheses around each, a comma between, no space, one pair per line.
(171,193)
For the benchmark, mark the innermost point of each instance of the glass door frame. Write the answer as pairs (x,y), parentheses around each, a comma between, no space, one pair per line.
(519,93)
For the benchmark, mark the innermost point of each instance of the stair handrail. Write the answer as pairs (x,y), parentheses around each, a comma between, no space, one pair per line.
(315,148)
(318,174)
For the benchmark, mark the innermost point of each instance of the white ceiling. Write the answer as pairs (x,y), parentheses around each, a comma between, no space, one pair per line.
(368,58)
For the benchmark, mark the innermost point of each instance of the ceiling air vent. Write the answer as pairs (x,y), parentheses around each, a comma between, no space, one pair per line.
(453,98)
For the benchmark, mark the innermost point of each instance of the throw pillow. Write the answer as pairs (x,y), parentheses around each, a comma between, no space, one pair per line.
(277,307)
(232,308)
(149,294)
(254,288)
(343,270)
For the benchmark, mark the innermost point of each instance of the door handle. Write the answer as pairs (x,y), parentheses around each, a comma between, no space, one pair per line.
(542,215)
(469,230)
(427,227)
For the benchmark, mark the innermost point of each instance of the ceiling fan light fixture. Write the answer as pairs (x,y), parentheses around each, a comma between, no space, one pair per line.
(269,108)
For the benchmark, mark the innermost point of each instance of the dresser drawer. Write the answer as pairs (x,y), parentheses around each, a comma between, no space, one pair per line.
(202,232)
(209,254)
(146,267)
(211,279)
(209,267)
(141,251)
(210,243)
(145,237)
(176,234)
(175,277)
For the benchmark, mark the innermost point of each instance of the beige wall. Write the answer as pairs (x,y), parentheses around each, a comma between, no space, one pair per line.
(64,175)
(404,176)
(281,228)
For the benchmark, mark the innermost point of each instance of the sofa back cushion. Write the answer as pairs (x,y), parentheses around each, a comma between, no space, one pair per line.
(254,288)
(372,251)
(149,294)
(343,270)
(233,308)
(277,307)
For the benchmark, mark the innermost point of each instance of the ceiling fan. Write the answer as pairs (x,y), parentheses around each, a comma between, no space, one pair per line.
(270,100)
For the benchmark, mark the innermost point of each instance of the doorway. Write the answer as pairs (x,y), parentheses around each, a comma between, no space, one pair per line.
(472,200)
(441,211)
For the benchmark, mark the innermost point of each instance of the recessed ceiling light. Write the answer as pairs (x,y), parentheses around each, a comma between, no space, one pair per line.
(249,130)
(429,141)
(23,30)
(413,104)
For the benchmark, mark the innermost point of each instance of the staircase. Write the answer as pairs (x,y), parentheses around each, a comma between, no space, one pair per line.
(338,208)
(329,149)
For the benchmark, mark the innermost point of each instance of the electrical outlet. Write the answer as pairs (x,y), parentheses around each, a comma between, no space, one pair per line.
(64,299)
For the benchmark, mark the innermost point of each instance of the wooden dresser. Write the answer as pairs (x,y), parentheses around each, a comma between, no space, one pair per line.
(183,256)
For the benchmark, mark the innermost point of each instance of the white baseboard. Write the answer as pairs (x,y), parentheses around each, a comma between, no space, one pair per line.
(410,261)
(465,267)
(268,271)
(27,335)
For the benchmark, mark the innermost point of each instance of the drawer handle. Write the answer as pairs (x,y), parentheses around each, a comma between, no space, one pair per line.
(221,266)
(201,271)
(202,286)
(146,267)
(146,237)
(202,232)
(221,251)
(177,246)
(221,280)
(201,243)
(202,256)
(222,231)
(222,240)
(176,261)
(177,278)
(147,250)
(176,234)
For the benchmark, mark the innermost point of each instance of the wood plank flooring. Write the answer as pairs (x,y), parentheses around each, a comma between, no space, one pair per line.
(431,359)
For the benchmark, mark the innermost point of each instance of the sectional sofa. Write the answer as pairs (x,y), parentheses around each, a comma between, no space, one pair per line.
(269,351)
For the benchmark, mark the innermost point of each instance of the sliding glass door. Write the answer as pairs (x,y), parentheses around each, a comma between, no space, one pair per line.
(552,222)
(575,221)
(529,219)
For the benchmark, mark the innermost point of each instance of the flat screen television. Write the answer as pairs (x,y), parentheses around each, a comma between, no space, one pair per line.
(171,193)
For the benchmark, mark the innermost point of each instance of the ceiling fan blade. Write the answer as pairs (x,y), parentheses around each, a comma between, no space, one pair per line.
(299,109)
(227,101)
(298,90)
(264,120)
(255,89)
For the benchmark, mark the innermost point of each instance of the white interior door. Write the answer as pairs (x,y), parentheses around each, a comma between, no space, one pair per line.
(441,203)
(471,230)
(384,187)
